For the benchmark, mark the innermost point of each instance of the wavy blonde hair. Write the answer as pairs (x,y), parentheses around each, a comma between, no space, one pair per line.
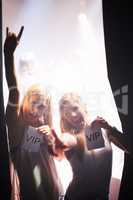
(25,105)
(69,99)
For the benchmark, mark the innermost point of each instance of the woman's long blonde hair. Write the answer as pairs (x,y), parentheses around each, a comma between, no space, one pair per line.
(66,100)
(24,107)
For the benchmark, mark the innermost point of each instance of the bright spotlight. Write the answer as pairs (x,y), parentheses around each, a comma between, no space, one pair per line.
(82,18)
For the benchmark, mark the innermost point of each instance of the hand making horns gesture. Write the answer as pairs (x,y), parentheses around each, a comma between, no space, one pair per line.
(12,40)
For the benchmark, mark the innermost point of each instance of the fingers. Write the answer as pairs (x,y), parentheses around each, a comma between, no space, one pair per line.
(20,33)
(100,118)
(12,34)
(7,31)
(98,122)
(101,123)
(44,127)
(44,130)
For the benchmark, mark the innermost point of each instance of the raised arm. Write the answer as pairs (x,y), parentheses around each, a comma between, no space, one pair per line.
(10,45)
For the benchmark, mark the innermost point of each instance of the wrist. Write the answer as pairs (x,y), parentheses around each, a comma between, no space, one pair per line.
(110,129)
(8,53)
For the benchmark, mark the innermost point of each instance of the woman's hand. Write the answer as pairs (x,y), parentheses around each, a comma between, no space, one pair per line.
(55,144)
(11,41)
(99,122)
(49,138)
(46,131)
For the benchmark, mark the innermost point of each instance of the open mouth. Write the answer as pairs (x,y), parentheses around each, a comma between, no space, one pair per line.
(76,119)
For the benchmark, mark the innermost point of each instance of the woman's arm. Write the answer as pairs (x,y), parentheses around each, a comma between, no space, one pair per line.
(10,45)
(115,136)
(120,139)
(56,145)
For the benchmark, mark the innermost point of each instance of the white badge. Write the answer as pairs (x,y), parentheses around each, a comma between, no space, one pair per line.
(32,140)
(94,138)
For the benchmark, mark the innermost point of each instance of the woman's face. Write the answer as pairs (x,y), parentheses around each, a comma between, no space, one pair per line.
(72,113)
(37,110)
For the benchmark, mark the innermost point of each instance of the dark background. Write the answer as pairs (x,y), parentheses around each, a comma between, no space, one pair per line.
(5,188)
(118,28)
